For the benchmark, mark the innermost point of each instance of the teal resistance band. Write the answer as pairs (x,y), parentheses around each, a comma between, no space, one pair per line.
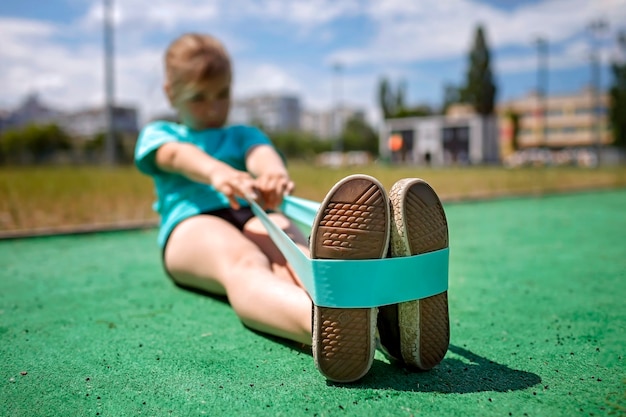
(356,283)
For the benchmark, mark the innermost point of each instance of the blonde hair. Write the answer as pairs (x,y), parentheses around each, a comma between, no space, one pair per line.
(193,58)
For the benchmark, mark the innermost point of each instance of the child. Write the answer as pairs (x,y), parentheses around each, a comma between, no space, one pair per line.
(210,238)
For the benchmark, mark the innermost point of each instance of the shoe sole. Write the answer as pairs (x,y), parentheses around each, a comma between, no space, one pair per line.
(416,332)
(352,223)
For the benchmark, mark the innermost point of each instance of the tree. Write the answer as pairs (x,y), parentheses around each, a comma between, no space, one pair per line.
(299,145)
(480,89)
(95,148)
(383,97)
(617,111)
(514,120)
(391,102)
(359,136)
(415,111)
(33,143)
(451,95)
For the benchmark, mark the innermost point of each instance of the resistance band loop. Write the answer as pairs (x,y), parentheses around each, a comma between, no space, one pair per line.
(355,283)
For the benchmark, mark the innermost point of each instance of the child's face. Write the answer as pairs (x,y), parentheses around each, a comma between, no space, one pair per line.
(207,105)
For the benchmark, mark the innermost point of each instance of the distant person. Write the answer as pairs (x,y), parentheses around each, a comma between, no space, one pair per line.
(210,240)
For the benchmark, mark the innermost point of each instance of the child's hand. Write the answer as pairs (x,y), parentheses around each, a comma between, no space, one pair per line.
(233,183)
(272,186)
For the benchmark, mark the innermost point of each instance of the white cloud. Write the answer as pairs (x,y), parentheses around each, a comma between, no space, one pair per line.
(139,81)
(34,60)
(253,78)
(14,28)
(420,31)
(573,54)
(299,12)
(170,16)
(415,31)
(64,63)
(15,32)
(153,14)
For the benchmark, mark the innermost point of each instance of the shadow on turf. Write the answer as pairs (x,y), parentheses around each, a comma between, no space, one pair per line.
(472,373)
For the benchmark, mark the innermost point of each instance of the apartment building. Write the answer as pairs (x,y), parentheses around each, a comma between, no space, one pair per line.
(328,124)
(29,111)
(90,122)
(84,123)
(273,112)
(555,122)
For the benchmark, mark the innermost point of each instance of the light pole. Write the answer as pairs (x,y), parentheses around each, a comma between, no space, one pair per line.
(542,85)
(109,84)
(338,117)
(597,28)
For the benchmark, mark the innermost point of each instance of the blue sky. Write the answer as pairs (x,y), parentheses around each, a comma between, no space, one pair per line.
(54,47)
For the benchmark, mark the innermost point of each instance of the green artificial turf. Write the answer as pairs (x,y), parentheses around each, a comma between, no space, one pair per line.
(90,325)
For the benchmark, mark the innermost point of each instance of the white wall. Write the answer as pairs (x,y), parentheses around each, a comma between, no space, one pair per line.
(428,132)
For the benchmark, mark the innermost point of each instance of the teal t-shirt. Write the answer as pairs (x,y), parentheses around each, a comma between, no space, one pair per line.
(178,197)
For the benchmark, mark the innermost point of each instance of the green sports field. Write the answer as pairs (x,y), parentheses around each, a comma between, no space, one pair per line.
(90,325)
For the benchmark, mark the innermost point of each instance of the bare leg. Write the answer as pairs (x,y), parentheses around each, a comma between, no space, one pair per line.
(207,253)
(256,232)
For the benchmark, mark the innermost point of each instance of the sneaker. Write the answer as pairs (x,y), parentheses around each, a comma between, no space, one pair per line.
(416,333)
(352,223)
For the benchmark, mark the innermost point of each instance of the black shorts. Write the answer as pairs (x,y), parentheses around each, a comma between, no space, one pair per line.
(237,218)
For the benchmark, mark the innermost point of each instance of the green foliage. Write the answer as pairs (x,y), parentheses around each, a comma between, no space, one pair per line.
(300,145)
(617,111)
(387,98)
(33,143)
(451,95)
(124,147)
(392,101)
(96,144)
(359,136)
(415,111)
(480,89)
(514,117)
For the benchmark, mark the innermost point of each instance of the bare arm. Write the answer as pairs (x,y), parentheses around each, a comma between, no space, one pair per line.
(272,178)
(189,160)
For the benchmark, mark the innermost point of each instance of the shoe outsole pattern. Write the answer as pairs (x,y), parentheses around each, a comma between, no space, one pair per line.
(420,330)
(352,223)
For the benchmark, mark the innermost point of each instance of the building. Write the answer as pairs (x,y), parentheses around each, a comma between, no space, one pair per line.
(318,123)
(4,119)
(459,137)
(556,122)
(274,113)
(30,111)
(328,124)
(91,122)
(82,123)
